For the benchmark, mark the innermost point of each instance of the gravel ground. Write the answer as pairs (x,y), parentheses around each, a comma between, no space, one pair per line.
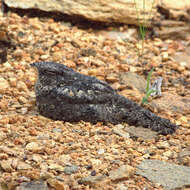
(33,147)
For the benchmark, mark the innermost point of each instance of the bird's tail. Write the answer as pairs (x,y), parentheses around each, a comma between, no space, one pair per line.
(138,116)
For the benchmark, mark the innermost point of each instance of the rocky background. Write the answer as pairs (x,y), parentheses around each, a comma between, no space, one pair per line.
(96,38)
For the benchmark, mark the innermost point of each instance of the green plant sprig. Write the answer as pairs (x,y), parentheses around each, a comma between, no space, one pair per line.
(149,91)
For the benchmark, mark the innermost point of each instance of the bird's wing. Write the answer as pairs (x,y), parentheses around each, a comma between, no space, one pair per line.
(91,90)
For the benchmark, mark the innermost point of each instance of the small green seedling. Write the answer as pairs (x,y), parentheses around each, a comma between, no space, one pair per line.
(149,91)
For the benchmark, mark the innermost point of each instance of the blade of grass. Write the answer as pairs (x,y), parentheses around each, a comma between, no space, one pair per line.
(145,99)
(149,91)
(148,80)
(142,28)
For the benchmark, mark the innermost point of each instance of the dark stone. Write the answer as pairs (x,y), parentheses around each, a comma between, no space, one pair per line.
(89,167)
(88,52)
(93,173)
(91,180)
(63,94)
(34,185)
(3,55)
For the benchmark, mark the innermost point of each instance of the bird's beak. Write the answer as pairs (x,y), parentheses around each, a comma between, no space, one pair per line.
(33,65)
(37,65)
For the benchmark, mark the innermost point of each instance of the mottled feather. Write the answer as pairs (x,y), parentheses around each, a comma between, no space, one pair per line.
(63,94)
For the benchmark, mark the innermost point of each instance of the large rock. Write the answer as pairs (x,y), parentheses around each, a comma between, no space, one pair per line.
(170,176)
(172,102)
(176,9)
(177,13)
(122,11)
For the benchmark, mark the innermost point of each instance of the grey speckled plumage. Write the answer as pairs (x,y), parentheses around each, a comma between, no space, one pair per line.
(63,94)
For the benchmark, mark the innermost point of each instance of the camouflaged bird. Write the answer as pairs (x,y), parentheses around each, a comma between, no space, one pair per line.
(63,94)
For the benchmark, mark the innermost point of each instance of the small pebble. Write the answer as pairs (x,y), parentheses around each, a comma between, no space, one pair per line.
(71,169)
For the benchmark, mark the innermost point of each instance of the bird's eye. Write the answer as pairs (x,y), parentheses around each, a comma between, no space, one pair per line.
(50,72)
